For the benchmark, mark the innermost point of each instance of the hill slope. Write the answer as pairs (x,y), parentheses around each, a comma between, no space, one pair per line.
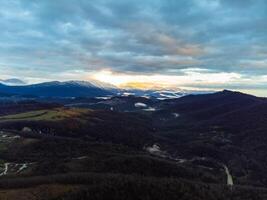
(59,89)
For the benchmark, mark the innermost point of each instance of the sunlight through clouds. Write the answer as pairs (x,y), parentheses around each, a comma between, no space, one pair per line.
(153,43)
(163,81)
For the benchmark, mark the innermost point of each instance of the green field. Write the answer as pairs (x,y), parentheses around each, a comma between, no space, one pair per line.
(45,115)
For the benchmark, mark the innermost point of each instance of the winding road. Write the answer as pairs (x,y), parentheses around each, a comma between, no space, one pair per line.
(5,170)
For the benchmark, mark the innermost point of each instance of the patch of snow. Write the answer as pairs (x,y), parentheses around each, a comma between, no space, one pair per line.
(26,129)
(150,109)
(147,97)
(104,98)
(181,160)
(230,181)
(126,94)
(140,105)
(161,99)
(155,150)
(176,115)
(24,166)
(81,157)
(5,170)
(170,96)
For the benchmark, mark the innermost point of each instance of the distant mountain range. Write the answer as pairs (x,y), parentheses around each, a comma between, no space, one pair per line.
(92,88)
(59,89)
(12,81)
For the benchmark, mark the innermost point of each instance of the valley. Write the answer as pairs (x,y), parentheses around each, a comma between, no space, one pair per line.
(80,147)
(133,100)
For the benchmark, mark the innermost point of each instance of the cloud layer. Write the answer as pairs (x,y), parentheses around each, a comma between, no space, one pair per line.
(67,39)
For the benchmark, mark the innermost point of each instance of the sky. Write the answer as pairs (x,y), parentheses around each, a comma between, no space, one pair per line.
(189,44)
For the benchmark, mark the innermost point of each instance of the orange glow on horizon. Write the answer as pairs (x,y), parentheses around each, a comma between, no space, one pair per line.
(158,81)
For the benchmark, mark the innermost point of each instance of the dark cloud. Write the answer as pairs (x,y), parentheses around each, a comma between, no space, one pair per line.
(134,36)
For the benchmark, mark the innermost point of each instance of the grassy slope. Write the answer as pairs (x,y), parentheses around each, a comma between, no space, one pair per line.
(46,115)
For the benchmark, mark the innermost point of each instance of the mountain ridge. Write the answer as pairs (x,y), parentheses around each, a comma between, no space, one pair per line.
(57,89)
(12,81)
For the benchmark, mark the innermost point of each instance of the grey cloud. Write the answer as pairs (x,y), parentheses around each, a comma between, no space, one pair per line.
(134,36)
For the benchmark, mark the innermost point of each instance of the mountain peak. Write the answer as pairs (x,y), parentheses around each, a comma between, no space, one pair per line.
(236,93)
(59,89)
(227,91)
(12,81)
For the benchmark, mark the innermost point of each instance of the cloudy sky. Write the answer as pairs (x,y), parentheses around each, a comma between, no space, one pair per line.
(199,44)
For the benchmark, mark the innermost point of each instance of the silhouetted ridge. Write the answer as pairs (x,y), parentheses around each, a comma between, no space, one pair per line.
(212,105)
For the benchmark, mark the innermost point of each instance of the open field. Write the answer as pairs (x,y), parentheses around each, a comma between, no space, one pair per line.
(46,115)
